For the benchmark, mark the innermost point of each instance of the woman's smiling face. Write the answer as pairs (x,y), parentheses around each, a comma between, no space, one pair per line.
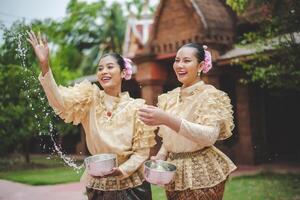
(109,73)
(186,66)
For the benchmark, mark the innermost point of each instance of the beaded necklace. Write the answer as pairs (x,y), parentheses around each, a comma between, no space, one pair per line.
(110,113)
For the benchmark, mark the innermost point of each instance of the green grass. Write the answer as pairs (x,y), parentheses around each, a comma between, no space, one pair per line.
(40,171)
(42,176)
(265,186)
(16,162)
(158,193)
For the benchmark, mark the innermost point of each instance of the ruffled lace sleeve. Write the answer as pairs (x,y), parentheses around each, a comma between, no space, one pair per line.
(143,140)
(144,136)
(70,103)
(77,101)
(162,101)
(216,110)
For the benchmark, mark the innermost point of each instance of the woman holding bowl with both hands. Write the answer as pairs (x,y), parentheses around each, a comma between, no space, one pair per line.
(109,119)
(191,119)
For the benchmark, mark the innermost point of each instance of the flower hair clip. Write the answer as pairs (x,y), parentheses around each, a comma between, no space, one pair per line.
(207,60)
(128,68)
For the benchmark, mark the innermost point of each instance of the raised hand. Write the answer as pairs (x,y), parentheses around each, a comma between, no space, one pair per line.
(41,49)
(151,115)
(154,116)
(114,172)
(159,157)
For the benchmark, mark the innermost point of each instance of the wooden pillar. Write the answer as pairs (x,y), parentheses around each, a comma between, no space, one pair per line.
(243,150)
(151,76)
(150,90)
(212,78)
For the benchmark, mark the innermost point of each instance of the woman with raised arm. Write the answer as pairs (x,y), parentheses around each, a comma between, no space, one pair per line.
(109,119)
(191,119)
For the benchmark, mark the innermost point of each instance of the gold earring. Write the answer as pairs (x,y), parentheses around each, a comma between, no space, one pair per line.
(199,73)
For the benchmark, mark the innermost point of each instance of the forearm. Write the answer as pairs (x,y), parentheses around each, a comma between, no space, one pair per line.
(134,162)
(171,121)
(51,89)
(162,152)
(202,134)
(45,66)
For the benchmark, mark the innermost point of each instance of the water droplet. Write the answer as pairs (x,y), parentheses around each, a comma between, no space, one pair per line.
(31,89)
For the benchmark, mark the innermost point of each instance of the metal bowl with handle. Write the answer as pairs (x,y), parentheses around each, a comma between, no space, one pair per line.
(100,164)
(159,172)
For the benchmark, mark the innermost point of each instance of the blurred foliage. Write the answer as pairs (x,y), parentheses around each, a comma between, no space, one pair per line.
(18,112)
(76,42)
(88,30)
(276,38)
(25,112)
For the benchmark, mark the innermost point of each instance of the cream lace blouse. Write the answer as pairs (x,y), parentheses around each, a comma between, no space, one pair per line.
(121,133)
(207,116)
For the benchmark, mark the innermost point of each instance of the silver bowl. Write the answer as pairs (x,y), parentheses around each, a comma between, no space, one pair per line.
(159,172)
(100,164)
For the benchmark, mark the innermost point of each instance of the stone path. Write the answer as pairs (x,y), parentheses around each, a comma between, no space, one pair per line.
(17,191)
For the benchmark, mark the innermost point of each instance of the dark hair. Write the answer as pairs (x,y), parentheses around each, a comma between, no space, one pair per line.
(120,60)
(200,54)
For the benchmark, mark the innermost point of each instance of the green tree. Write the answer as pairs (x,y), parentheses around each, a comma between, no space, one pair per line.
(88,30)
(276,37)
(19,113)
(20,100)
(23,106)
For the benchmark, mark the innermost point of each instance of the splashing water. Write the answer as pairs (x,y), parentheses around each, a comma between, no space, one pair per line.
(21,50)
(21,53)
(69,161)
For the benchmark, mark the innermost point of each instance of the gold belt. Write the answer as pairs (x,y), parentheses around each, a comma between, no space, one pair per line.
(121,159)
(180,155)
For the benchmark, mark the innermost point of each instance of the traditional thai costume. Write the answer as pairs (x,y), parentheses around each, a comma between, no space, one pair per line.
(111,125)
(207,116)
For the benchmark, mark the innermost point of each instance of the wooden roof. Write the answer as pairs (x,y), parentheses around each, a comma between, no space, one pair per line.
(177,22)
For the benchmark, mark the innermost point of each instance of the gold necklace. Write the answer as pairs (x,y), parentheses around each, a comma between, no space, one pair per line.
(179,98)
(109,113)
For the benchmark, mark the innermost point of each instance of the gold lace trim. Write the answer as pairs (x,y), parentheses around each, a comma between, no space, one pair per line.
(144,136)
(115,183)
(201,169)
(213,108)
(77,101)
(216,109)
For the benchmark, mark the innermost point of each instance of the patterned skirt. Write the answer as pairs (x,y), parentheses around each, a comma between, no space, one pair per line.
(205,168)
(213,193)
(200,175)
(141,192)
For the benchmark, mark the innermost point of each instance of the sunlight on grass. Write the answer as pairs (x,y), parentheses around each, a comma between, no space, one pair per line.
(258,187)
(158,193)
(42,176)
(40,171)
(264,186)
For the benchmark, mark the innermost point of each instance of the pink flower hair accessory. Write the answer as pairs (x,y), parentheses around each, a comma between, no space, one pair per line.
(207,60)
(128,68)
